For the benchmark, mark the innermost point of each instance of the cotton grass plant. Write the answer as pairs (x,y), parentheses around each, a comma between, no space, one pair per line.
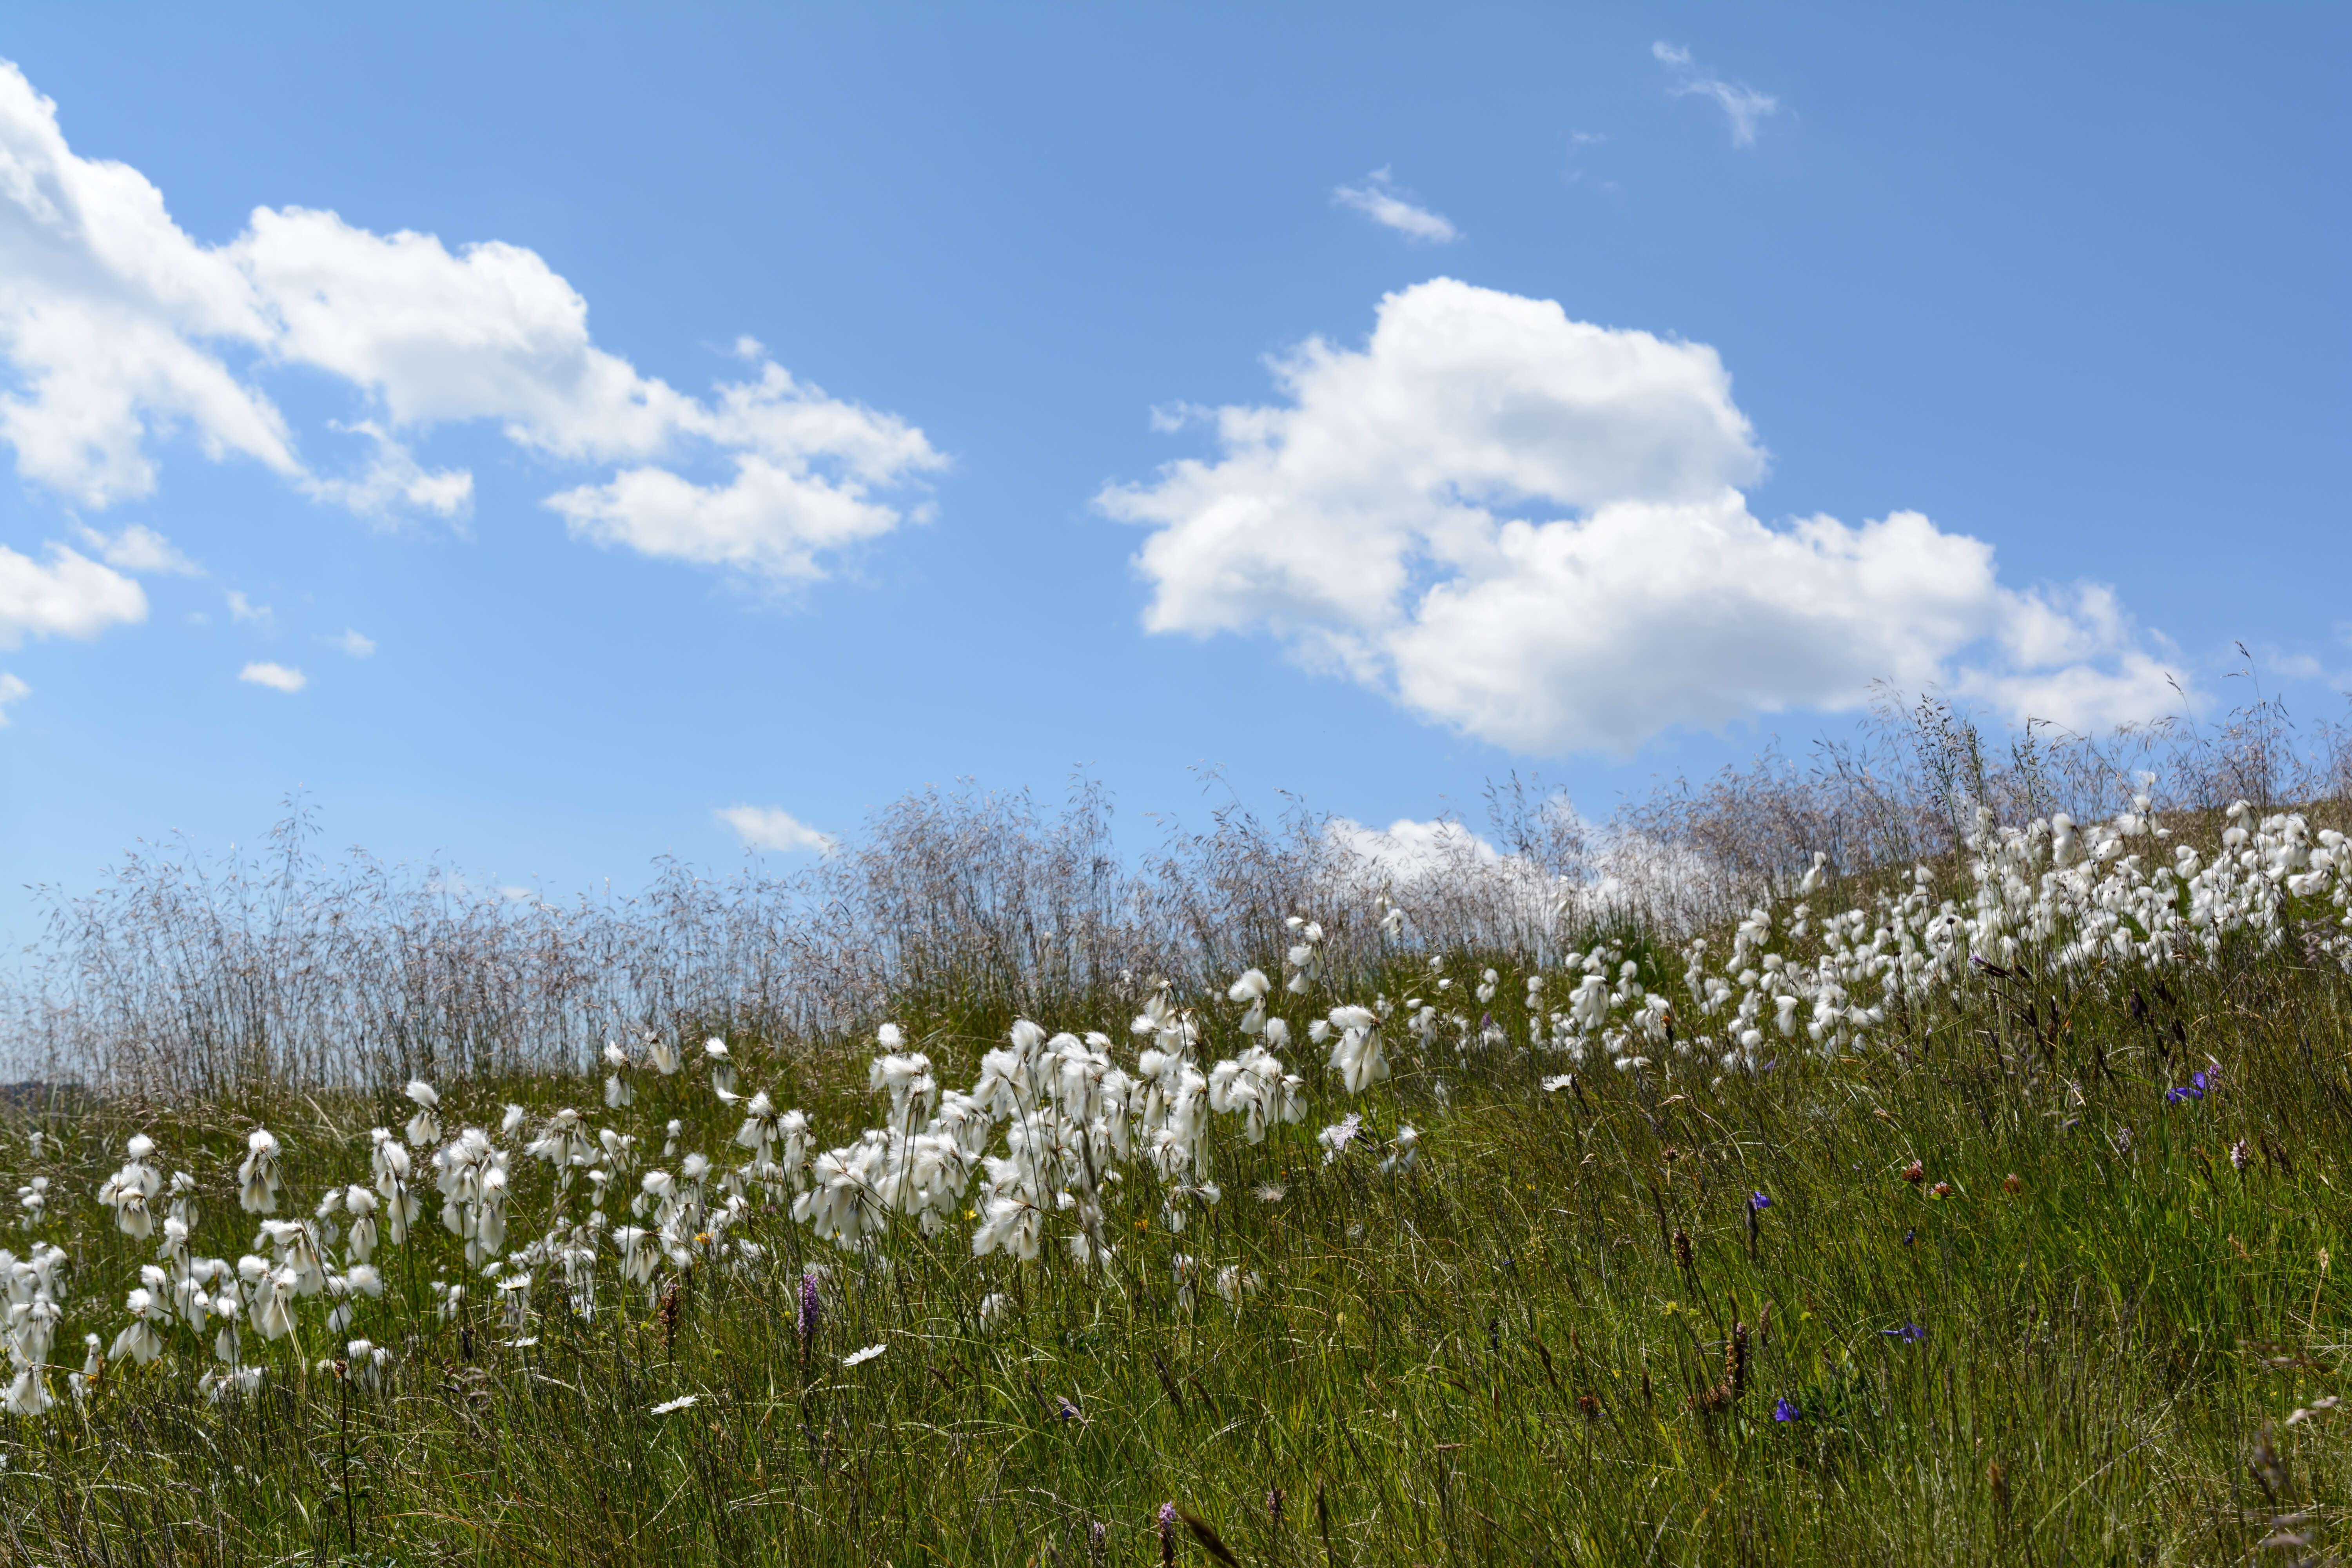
(1976,1204)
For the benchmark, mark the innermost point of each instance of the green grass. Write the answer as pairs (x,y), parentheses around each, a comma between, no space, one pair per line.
(1492,1357)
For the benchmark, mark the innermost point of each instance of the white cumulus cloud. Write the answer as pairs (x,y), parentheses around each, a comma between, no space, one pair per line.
(1533,529)
(805,467)
(11,691)
(1377,199)
(111,316)
(1410,850)
(1742,104)
(355,643)
(71,595)
(242,609)
(277,676)
(117,328)
(772,827)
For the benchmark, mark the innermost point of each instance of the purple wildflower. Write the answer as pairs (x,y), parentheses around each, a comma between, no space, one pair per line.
(805,1321)
(1909,1334)
(1757,1203)
(1785,1409)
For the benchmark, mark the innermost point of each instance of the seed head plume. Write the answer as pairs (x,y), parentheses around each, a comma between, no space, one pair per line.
(1721,1396)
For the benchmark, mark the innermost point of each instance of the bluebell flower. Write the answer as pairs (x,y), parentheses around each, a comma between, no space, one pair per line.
(1758,1202)
(1909,1334)
(1785,1409)
(2193,1089)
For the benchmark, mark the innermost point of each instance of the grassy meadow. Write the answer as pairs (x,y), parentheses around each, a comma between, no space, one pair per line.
(2037,1261)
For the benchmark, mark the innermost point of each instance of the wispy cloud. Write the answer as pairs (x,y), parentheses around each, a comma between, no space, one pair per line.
(772,827)
(1744,104)
(277,676)
(392,480)
(11,691)
(1377,199)
(1579,141)
(241,608)
(2305,666)
(1168,418)
(356,644)
(139,549)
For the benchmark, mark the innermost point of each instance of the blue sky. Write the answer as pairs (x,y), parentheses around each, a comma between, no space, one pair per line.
(1680,370)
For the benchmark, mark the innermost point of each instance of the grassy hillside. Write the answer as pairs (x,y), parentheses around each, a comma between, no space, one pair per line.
(2015,1237)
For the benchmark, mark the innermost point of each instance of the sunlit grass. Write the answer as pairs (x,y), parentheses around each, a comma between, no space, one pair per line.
(1493,1355)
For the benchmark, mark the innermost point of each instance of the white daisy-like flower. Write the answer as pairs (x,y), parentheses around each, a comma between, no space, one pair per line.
(857,1358)
(669,1406)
